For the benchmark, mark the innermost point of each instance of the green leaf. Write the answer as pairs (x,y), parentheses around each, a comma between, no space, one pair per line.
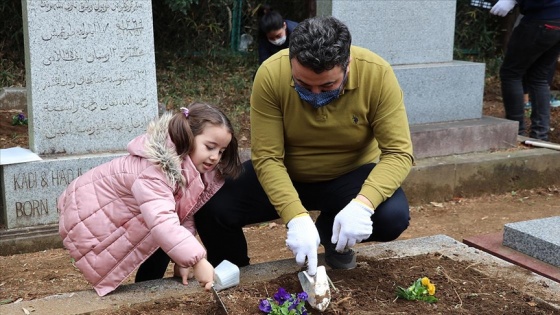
(6,301)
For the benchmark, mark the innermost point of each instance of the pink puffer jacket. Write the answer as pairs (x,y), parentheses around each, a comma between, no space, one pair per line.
(113,217)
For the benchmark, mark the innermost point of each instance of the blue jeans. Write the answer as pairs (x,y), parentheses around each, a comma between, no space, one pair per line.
(242,201)
(532,50)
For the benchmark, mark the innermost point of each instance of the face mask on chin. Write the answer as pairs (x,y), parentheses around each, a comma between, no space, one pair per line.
(279,42)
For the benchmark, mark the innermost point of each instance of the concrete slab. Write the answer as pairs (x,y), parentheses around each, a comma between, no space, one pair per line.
(492,244)
(537,238)
(87,301)
(475,174)
(30,190)
(13,98)
(474,135)
(441,92)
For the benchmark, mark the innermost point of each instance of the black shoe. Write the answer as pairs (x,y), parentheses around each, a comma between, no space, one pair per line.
(336,260)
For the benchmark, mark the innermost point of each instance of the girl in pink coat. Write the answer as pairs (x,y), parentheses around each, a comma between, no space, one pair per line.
(137,210)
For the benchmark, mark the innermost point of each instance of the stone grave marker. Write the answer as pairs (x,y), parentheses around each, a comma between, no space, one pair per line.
(91,88)
(90,74)
(539,238)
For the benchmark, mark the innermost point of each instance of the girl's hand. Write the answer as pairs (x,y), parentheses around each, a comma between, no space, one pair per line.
(183,273)
(204,273)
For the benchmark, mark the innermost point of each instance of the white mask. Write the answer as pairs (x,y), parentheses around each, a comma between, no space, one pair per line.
(279,42)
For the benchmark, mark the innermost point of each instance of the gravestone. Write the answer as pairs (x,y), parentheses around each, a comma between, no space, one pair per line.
(91,88)
(539,238)
(443,97)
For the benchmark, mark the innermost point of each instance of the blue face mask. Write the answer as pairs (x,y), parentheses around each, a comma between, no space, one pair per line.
(319,99)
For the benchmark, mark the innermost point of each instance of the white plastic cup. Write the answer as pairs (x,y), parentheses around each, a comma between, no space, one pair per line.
(244,42)
(226,275)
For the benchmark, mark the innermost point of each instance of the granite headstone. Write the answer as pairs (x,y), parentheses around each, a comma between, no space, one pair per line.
(91,88)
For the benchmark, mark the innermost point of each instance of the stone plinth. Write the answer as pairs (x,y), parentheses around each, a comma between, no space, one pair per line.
(539,238)
(31,189)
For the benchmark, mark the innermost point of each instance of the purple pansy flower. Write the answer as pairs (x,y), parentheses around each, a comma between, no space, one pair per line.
(284,303)
(264,305)
(281,296)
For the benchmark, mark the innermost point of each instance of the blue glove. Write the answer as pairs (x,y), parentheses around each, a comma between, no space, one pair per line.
(352,225)
(502,7)
(303,240)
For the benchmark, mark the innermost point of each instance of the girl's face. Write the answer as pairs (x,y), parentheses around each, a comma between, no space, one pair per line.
(209,147)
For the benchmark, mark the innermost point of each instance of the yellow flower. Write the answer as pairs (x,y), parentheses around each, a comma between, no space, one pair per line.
(431,289)
(425,281)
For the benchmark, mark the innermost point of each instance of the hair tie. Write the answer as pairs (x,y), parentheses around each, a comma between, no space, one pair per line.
(185,111)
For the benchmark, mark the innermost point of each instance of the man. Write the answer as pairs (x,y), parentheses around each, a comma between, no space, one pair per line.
(532,50)
(323,113)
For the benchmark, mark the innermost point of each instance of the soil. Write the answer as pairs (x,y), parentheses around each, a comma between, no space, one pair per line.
(368,289)
(12,135)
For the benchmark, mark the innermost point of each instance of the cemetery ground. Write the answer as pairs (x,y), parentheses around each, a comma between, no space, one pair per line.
(368,289)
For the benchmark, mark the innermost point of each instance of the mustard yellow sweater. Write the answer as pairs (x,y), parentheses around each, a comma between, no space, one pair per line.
(291,140)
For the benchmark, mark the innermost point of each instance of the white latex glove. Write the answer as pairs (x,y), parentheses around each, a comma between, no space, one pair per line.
(502,7)
(303,240)
(352,225)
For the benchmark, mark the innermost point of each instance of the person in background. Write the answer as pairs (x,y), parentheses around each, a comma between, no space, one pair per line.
(533,48)
(550,79)
(137,210)
(274,33)
(329,132)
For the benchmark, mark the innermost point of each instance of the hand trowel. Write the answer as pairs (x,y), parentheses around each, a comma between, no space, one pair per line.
(317,288)
(226,275)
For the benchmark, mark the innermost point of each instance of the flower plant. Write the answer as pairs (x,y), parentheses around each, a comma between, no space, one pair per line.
(284,303)
(19,119)
(421,290)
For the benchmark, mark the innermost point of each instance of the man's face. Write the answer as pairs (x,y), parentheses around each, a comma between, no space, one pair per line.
(316,83)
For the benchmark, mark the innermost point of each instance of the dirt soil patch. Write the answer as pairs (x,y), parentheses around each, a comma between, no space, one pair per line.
(370,289)
(12,135)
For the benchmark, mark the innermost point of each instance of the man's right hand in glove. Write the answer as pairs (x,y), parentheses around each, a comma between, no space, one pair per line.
(502,7)
(303,240)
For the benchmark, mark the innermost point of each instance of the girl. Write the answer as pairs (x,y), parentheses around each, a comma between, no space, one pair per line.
(137,210)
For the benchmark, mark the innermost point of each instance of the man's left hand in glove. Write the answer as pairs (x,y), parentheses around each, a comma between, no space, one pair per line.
(352,225)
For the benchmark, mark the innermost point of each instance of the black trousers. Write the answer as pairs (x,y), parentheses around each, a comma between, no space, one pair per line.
(154,267)
(242,201)
(532,50)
